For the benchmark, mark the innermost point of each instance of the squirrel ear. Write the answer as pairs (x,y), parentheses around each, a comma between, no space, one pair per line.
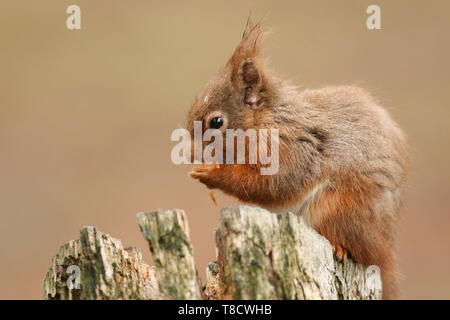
(243,60)
(249,73)
(246,65)
(251,83)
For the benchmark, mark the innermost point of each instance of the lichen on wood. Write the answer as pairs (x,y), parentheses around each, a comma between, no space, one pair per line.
(167,233)
(263,255)
(107,270)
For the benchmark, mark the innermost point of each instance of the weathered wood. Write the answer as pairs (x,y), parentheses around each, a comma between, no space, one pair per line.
(107,270)
(261,255)
(167,233)
(277,256)
(213,287)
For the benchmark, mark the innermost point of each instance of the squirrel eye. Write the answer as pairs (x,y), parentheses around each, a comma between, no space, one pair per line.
(216,122)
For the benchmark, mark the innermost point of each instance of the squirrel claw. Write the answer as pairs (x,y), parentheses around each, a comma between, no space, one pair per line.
(201,171)
(340,253)
(196,175)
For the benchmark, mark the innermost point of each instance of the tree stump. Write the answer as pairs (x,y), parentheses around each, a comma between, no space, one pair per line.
(260,255)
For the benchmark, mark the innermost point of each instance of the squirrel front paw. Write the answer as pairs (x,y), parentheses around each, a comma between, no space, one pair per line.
(206,173)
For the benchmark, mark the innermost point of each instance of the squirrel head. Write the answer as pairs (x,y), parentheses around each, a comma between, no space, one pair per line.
(241,94)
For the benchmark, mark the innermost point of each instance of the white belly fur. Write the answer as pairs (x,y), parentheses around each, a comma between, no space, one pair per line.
(302,207)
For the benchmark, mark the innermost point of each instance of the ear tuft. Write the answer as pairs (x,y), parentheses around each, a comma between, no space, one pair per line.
(249,26)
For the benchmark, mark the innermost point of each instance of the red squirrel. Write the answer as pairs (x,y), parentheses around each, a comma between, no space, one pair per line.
(342,159)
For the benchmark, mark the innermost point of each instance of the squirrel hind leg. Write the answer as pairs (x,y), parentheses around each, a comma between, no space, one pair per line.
(388,274)
(341,254)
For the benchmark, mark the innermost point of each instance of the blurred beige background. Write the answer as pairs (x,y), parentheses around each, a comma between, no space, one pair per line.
(86,116)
